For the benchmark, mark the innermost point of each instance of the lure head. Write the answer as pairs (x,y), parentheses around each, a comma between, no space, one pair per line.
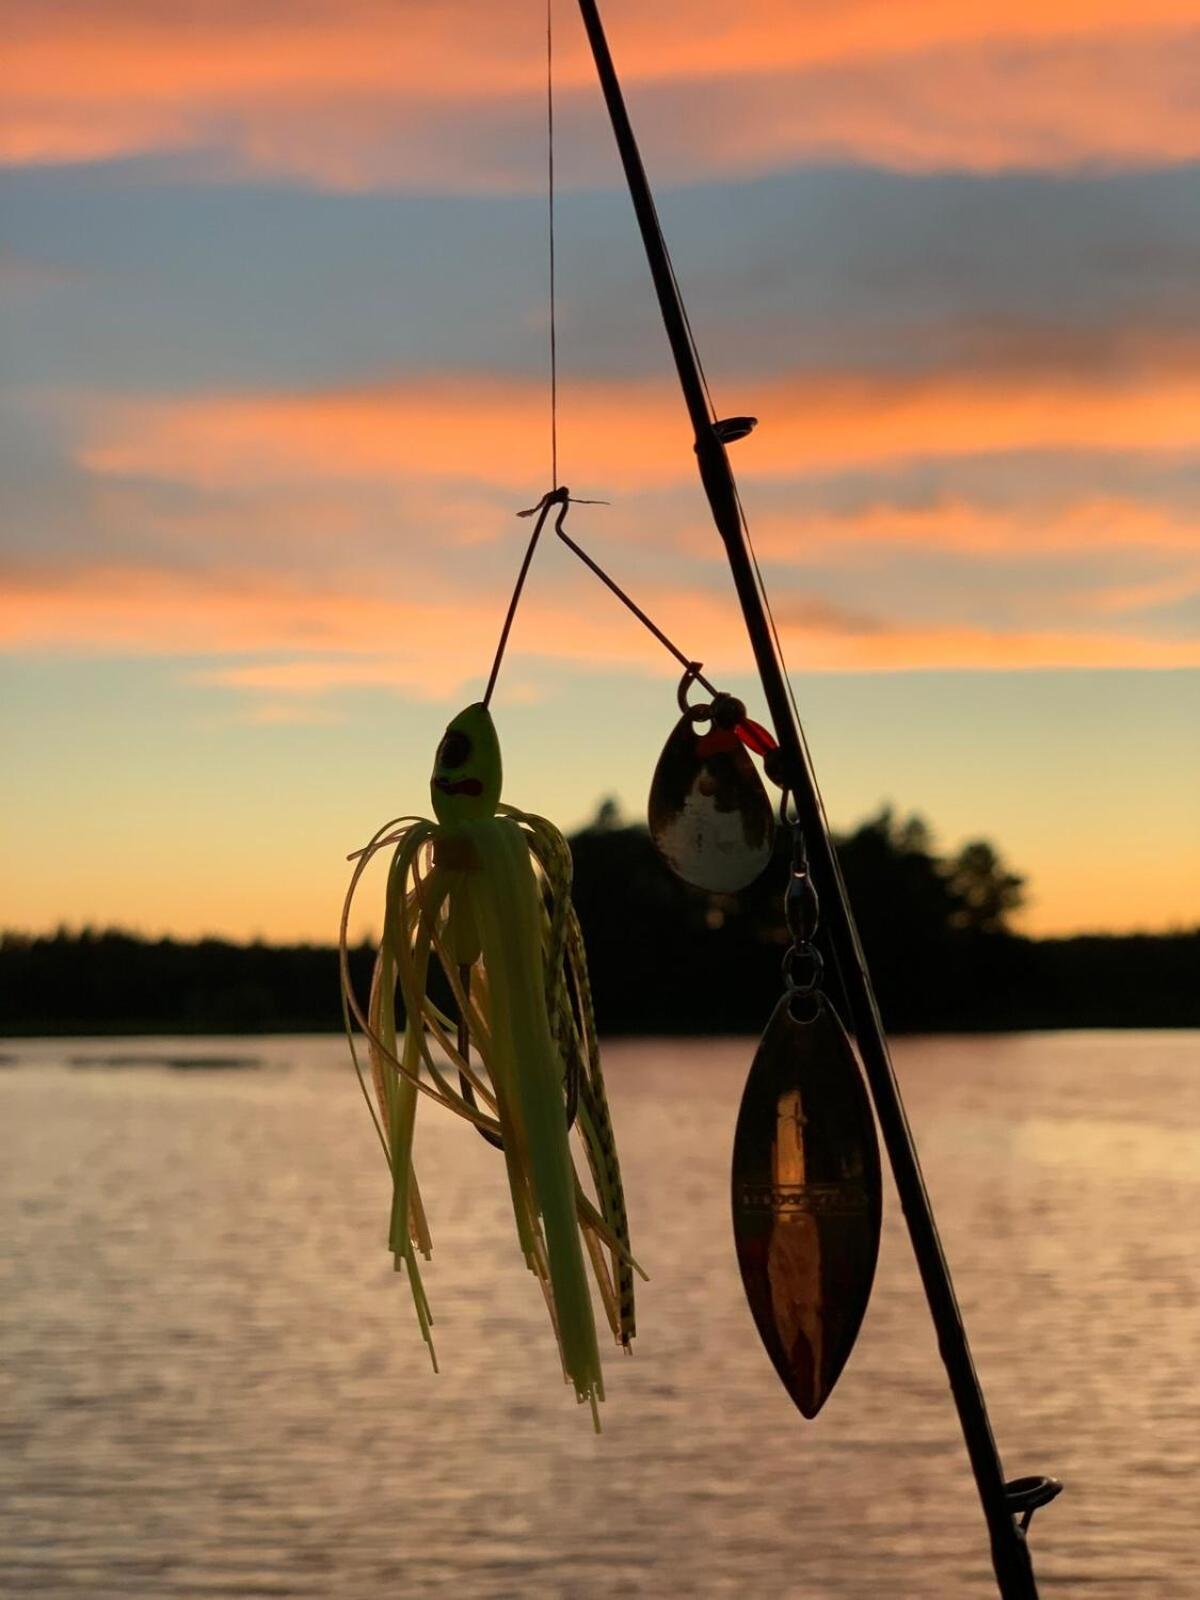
(466,770)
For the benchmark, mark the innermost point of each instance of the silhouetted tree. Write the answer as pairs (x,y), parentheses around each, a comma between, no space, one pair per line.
(608,816)
(986,891)
(663,957)
(903,905)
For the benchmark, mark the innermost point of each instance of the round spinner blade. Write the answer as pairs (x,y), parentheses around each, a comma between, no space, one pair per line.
(710,817)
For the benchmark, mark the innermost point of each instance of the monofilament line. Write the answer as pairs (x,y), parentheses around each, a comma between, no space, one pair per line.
(550,219)
(553,498)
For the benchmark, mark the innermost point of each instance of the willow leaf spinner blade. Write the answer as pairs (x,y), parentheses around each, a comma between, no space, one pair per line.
(807,1198)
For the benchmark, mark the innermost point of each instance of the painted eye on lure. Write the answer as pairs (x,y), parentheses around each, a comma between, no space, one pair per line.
(478,911)
(454,750)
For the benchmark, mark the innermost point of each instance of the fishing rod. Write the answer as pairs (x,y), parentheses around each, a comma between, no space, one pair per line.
(1003,1503)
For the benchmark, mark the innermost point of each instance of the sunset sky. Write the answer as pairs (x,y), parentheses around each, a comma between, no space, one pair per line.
(274,299)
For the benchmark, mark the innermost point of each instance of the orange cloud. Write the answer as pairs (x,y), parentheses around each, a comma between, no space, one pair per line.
(984,105)
(624,435)
(431,643)
(335,640)
(992,650)
(961,527)
(146,610)
(359,93)
(1152,595)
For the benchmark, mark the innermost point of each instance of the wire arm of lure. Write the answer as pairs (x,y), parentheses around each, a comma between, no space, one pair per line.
(556,497)
(562,498)
(752,734)
(691,667)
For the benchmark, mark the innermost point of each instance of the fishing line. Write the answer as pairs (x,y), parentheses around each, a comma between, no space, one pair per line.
(687,326)
(555,496)
(561,497)
(550,222)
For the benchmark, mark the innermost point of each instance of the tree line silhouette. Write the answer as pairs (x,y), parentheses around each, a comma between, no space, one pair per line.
(664,958)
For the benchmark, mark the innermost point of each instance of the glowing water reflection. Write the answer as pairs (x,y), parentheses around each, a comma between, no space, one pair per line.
(213,1383)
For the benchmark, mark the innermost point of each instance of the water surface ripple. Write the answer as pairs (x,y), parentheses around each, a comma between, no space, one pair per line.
(213,1384)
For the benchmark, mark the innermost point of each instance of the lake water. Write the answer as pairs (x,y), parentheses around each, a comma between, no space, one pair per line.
(213,1383)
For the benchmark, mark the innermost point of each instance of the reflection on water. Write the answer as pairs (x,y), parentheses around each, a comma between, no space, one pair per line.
(213,1383)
